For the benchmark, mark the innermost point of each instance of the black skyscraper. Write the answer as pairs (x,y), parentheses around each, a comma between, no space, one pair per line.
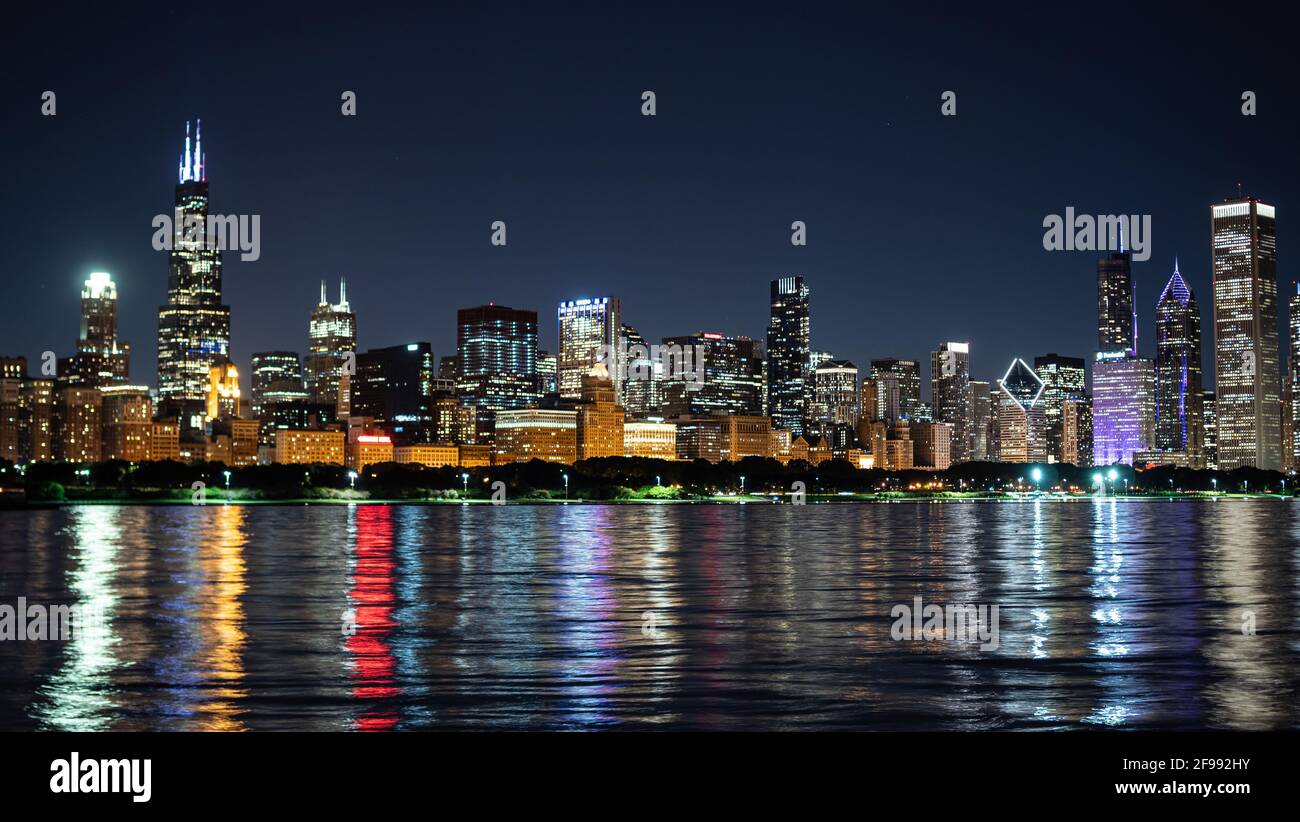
(788,346)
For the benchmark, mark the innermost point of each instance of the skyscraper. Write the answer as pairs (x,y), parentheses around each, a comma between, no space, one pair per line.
(981,394)
(1065,379)
(1247,374)
(951,394)
(906,377)
(788,351)
(600,417)
(1123,385)
(1076,432)
(1293,378)
(496,350)
(1123,407)
(548,375)
(100,359)
(587,328)
(835,393)
(1116,317)
(1180,422)
(643,389)
(1022,429)
(194,325)
(719,375)
(276,377)
(331,347)
(393,387)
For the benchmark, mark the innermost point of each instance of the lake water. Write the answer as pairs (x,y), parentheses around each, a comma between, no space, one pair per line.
(1112,613)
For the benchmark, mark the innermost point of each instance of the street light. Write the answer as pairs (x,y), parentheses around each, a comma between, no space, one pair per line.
(464,481)
(657,479)
(227,473)
(1038,475)
(566,485)
(1096,480)
(742,485)
(352,477)
(1214,483)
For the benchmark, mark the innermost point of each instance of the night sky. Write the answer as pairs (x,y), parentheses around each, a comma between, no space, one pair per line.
(921,228)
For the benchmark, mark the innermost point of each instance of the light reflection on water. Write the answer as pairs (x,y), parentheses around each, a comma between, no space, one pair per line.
(1114,613)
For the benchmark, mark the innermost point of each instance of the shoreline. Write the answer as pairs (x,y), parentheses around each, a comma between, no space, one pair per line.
(811,499)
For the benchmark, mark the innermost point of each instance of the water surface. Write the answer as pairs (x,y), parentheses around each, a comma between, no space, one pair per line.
(1113,613)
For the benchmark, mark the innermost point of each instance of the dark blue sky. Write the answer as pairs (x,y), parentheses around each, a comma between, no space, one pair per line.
(921,228)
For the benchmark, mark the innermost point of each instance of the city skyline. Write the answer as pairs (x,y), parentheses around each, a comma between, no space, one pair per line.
(1119,318)
(334,326)
(638,218)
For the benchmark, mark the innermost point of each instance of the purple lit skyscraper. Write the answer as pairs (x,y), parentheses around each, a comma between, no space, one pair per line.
(1179,418)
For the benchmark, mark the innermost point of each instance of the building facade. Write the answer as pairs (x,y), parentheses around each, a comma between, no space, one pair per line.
(524,434)
(952,397)
(654,440)
(193,325)
(789,346)
(1180,422)
(99,359)
(331,350)
(1247,374)
(1123,407)
(589,329)
(393,387)
(1064,379)
(496,353)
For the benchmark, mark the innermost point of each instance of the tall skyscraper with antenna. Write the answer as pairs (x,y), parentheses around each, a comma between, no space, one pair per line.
(1123,384)
(193,325)
(331,346)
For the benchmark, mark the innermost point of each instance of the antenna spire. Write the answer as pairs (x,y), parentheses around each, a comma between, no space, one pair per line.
(185,169)
(323,300)
(343,292)
(198,151)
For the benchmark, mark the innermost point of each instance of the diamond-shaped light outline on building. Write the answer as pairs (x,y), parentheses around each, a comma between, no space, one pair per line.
(1002,383)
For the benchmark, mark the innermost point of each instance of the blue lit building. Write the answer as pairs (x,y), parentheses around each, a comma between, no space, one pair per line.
(1179,417)
(496,350)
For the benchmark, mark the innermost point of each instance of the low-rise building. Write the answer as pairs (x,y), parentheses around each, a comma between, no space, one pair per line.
(128,422)
(475,456)
(164,441)
(430,455)
(369,449)
(295,447)
(657,440)
(932,445)
(525,434)
(813,450)
(746,436)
